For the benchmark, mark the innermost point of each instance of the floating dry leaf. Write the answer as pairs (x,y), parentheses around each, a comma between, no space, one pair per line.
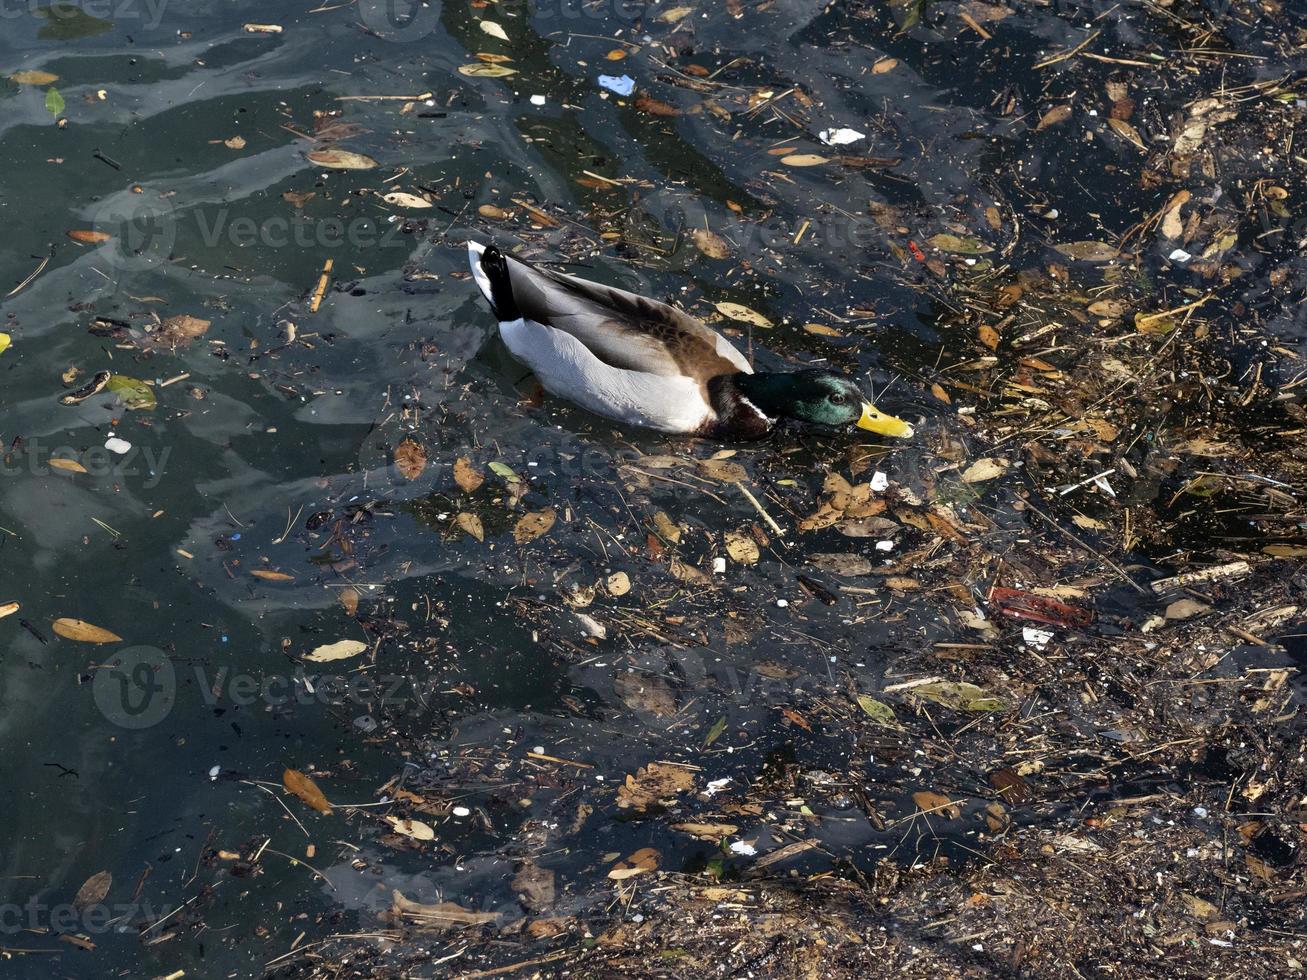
(534,524)
(340,650)
(411,828)
(1126,132)
(655,783)
(841,564)
(644,860)
(710,244)
(349,600)
(335,159)
(234,143)
(93,891)
(410,459)
(742,548)
(1088,251)
(930,802)
(268,575)
(476,70)
(9,608)
(88,237)
(83,632)
(804,160)
(67,465)
(33,78)
(1055,115)
(471,525)
(306,789)
(400,199)
(675,14)
(618,584)
(467,476)
(722,470)
(494,30)
(981,470)
(745,315)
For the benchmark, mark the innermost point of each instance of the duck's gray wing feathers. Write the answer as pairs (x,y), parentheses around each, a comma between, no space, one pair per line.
(621,328)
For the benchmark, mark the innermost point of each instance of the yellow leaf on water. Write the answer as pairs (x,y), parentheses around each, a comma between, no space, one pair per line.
(33,77)
(745,315)
(400,199)
(821,330)
(486,71)
(411,828)
(742,548)
(306,789)
(83,632)
(270,576)
(534,524)
(5,340)
(335,159)
(9,608)
(804,160)
(340,650)
(1058,114)
(67,465)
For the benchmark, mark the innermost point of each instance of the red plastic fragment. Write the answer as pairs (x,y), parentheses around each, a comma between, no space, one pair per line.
(1026,605)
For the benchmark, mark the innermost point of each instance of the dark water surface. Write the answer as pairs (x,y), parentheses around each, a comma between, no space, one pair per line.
(184,135)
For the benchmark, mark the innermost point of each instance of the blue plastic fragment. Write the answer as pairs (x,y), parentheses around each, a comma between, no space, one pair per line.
(621,84)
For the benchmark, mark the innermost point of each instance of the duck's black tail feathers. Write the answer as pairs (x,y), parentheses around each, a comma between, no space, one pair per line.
(495,266)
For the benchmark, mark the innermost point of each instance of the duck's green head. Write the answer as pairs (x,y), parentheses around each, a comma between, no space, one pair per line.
(821,397)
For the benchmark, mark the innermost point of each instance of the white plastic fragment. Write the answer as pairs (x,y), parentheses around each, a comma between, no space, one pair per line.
(840,137)
(1036,638)
(879,481)
(120,446)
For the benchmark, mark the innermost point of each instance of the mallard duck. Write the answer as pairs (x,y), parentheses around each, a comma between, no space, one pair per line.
(642,362)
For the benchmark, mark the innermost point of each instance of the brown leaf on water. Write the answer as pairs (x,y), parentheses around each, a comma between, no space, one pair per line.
(9,608)
(742,548)
(467,476)
(707,831)
(655,783)
(410,459)
(471,525)
(656,107)
(306,789)
(33,78)
(87,237)
(710,244)
(297,199)
(83,632)
(1058,114)
(534,524)
(178,331)
(93,891)
(336,159)
(937,803)
(349,599)
(270,576)
(988,336)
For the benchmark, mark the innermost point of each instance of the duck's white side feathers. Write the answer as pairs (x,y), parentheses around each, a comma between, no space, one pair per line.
(569,369)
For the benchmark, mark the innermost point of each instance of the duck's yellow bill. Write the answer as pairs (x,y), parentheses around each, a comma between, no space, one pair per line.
(874,420)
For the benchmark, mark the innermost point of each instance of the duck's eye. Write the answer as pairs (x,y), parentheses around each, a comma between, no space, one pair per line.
(839,399)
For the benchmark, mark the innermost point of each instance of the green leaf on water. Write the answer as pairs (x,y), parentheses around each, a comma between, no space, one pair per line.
(504,472)
(880,712)
(960,696)
(959,245)
(715,732)
(131,392)
(54,102)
